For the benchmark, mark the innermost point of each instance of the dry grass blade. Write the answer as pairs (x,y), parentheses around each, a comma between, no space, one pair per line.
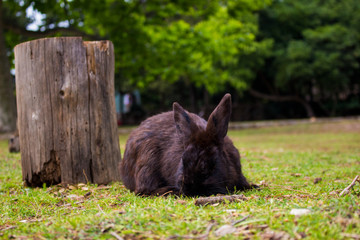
(115,235)
(102,211)
(349,235)
(219,199)
(347,189)
(241,220)
(7,228)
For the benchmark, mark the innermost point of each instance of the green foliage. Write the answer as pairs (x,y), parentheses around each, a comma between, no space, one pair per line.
(205,53)
(202,43)
(308,48)
(316,44)
(286,162)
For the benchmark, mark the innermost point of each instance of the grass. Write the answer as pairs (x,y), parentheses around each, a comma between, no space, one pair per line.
(285,161)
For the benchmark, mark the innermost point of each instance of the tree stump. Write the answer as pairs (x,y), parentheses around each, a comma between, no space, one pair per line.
(66,111)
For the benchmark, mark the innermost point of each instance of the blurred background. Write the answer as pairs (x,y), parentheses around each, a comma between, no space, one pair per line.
(279,59)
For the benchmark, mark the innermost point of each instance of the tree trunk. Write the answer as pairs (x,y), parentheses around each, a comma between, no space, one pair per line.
(194,107)
(7,88)
(66,111)
(204,112)
(276,98)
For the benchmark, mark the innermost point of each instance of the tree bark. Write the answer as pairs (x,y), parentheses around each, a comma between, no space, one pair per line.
(276,98)
(194,106)
(66,111)
(7,87)
(204,112)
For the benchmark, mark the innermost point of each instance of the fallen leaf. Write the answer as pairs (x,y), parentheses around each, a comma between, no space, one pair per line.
(300,211)
(349,235)
(262,227)
(334,193)
(72,187)
(48,224)
(74,196)
(114,234)
(6,227)
(183,202)
(87,194)
(263,183)
(231,210)
(108,227)
(317,180)
(301,235)
(225,229)
(62,190)
(275,235)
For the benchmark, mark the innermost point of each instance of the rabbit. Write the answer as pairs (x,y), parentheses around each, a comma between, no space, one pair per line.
(179,153)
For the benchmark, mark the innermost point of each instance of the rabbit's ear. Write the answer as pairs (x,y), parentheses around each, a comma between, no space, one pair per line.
(185,125)
(218,121)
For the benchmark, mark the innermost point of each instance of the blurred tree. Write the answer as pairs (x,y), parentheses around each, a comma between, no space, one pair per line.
(7,97)
(60,20)
(316,55)
(208,46)
(205,49)
(204,44)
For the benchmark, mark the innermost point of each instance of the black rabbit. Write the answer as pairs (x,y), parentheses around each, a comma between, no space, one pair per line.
(180,153)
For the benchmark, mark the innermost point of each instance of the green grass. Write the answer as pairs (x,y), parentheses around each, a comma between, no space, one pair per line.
(284,160)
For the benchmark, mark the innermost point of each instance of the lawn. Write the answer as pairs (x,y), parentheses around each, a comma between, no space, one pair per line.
(302,166)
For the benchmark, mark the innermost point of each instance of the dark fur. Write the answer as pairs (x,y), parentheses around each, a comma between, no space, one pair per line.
(181,153)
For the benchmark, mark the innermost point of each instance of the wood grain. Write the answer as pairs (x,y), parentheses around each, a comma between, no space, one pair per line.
(66,110)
